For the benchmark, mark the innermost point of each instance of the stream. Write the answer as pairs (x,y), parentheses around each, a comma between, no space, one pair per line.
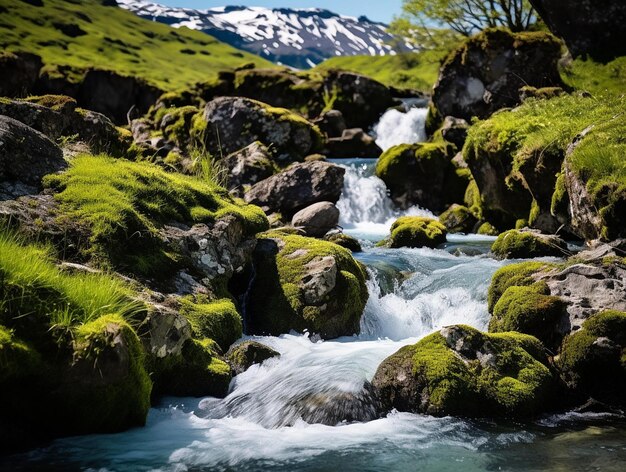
(308,410)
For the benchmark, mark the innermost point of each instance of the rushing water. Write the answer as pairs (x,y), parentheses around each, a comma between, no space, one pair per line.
(310,410)
(400,127)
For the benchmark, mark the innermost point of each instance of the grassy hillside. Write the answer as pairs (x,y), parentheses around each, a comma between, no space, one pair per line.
(595,77)
(409,70)
(84,33)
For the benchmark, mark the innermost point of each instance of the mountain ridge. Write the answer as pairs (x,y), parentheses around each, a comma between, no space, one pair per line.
(300,38)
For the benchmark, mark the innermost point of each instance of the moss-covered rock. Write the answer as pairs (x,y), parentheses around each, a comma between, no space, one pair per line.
(529,310)
(517,244)
(461,371)
(218,320)
(304,284)
(488,229)
(344,240)
(416,231)
(514,275)
(418,174)
(197,371)
(458,219)
(592,360)
(243,355)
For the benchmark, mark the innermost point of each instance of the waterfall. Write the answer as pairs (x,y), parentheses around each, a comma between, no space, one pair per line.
(398,127)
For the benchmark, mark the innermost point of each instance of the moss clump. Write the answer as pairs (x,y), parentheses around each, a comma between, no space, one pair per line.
(197,371)
(176,123)
(488,229)
(110,387)
(515,244)
(520,275)
(218,320)
(18,360)
(461,371)
(458,219)
(55,102)
(302,284)
(416,231)
(595,77)
(593,360)
(125,203)
(529,310)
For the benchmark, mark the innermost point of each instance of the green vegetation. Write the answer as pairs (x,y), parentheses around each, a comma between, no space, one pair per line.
(284,301)
(516,244)
(72,36)
(529,310)
(532,140)
(458,219)
(124,203)
(412,70)
(593,359)
(596,78)
(520,275)
(416,231)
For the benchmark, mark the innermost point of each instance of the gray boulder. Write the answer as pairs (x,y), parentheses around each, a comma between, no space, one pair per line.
(353,142)
(317,219)
(248,166)
(297,187)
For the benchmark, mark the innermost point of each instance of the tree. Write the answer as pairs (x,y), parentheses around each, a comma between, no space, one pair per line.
(469,16)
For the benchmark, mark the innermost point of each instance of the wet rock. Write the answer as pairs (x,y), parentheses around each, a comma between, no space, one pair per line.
(233,123)
(244,355)
(454,130)
(486,73)
(416,231)
(589,27)
(353,142)
(297,187)
(26,156)
(458,219)
(331,123)
(317,219)
(247,167)
(344,240)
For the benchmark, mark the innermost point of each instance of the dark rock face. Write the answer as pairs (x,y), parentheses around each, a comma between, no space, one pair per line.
(233,123)
(332,123)
(297,187)
(352,143)
(486,73)
(244,355)
(26,156)
(596,28)
(360,99)
(454,130)
(115,95)
(18,73)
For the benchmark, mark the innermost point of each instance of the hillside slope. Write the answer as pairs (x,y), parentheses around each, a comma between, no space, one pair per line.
(74,35)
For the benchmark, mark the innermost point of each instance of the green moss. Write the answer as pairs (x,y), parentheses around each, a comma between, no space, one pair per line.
(124,204)
(197,371)
(116,40)
(18,360)
(416,231)
(514,382)
(277,301)
(515,244)
(592,360)
(118,390)
(488,229)
(433,119)
(530,310)
(513,275)
(178,123)
(218,320)
(345,240)
(55,102)
(595,77)
(560,198)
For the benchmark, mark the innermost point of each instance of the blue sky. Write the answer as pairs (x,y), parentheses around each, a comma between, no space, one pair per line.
(374,9)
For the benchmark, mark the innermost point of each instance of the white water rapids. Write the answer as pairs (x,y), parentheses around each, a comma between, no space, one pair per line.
(309,410)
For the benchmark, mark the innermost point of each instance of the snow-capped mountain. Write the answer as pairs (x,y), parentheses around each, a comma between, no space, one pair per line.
(299,38)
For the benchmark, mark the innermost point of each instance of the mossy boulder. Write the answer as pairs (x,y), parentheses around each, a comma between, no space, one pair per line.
(518,244)
(529,310)
(419,174)
(460,371)
(485,73)
(244,355)
(344,240)
(416,231)
(304,284)
(458,219)
(218,320)
(592,361)
(514,275)
(231,123)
